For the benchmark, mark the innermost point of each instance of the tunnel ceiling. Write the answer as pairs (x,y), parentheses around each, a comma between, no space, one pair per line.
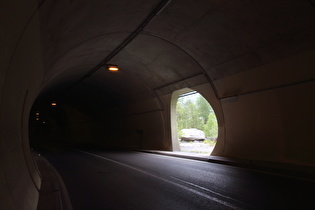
(193,41)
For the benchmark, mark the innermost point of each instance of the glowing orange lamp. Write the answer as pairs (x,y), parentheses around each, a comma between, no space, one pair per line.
(112,68)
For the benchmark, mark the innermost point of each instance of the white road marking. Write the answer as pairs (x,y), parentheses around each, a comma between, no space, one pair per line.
(174,183)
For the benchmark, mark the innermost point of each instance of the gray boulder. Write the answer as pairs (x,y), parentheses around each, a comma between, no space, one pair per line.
(192,134)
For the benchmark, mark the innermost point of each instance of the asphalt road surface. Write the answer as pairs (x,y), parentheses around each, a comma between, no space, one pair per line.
(136,180)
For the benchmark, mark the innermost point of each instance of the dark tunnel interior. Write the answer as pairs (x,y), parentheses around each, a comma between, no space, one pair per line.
(253,61)
(77,118)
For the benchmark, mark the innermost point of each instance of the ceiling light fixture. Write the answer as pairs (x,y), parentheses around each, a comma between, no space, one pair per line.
(111,67)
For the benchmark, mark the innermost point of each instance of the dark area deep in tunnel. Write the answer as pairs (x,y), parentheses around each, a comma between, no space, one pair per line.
(81,119)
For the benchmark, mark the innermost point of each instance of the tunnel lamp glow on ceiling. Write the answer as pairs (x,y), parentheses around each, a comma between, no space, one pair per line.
(112,68)
(53,104)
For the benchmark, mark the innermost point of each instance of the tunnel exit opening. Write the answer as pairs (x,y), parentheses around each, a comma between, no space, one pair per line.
(194,123)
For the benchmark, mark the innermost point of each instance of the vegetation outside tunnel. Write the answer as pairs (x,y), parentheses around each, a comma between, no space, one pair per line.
(194,111)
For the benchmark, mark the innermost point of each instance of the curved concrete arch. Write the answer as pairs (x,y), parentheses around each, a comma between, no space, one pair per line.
(21,71)
(81,52)
(210,80)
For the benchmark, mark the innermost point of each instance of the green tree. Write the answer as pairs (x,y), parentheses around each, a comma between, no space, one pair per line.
(203,108)
(211,127)
(196,114)
(181,117)
(187,115)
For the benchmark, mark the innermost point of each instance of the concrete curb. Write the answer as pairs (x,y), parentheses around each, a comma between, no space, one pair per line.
(53,193)
(305,173)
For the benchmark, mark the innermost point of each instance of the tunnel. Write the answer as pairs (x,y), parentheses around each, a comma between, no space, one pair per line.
(253,61)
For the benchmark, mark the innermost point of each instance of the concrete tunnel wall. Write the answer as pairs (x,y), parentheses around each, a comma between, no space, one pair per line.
(265,114)
(20,77)
(275,124)
(258,123)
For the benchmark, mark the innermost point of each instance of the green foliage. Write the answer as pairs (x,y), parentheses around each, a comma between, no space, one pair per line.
(203,108)
(196,114)
(187,115)
(211,127)
(210,142)
(180,133)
